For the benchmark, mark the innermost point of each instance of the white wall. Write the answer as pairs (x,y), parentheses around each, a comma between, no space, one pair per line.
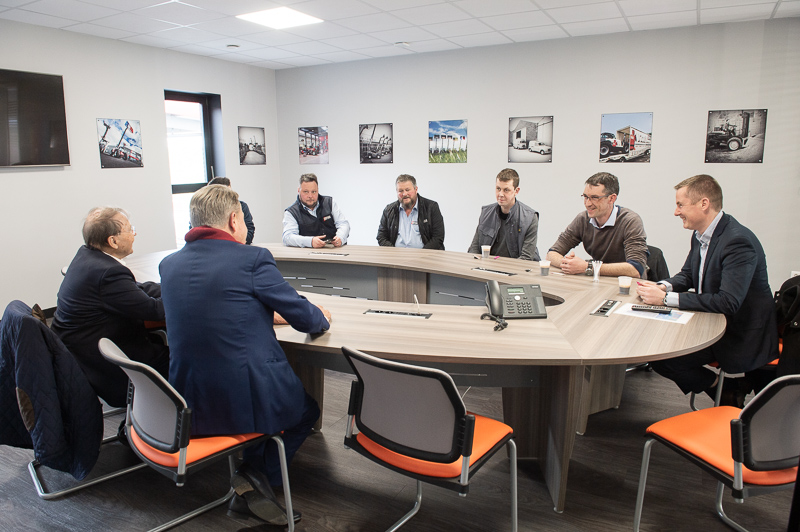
(41,209)
(678,74)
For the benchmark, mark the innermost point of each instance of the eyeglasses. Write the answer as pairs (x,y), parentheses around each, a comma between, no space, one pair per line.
(594,199)
(132,231)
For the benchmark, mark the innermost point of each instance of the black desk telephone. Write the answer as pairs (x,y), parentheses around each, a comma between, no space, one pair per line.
(515,301)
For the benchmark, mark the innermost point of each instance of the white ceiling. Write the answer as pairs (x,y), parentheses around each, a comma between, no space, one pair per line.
(363,29)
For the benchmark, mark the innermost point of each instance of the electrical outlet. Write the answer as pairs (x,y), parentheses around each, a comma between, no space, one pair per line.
(795,273)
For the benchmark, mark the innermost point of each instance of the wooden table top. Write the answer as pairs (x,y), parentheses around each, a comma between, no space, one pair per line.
(456,334)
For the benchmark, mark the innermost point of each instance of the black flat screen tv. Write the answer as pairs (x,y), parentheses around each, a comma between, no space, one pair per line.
(33,120)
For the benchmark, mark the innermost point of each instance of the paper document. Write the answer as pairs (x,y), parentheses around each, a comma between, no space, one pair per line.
(676,316)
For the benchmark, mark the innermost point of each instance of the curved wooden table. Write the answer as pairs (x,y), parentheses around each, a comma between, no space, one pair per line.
(542,364)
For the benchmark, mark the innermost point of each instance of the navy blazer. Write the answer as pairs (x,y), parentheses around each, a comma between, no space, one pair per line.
(99,297)
(735,284)
(220,297)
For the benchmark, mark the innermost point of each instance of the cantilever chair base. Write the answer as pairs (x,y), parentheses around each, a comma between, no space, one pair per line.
(33,468)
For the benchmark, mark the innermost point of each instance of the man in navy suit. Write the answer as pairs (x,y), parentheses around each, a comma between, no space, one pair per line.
(220,297)
(728,270)
(99,297)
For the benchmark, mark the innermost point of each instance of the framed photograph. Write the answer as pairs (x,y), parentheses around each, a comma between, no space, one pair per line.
(626,137)
(251,146)
(530,139)
(447,141)
(313,144)
(120,143)
(736,136)
(375,143)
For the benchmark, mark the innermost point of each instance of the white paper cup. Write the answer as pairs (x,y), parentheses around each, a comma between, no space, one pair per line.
(485,251)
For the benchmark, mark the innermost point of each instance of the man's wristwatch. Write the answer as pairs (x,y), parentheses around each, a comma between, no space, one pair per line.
(589,269)
(664,302)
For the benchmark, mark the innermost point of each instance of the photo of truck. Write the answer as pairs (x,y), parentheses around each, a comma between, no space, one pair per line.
(626,137)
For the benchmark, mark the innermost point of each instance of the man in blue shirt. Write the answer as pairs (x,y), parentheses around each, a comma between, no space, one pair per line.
(314,220)
(412,221)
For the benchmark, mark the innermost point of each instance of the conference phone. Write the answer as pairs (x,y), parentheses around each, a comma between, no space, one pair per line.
(515,301)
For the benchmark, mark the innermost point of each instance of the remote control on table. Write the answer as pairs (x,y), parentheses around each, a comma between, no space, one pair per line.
(652,308)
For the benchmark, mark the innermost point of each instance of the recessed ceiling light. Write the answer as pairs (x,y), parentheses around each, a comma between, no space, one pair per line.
(280,18)
(402,43)
(231,46)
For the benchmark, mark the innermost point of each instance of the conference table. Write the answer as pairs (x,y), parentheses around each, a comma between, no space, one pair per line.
(424,307)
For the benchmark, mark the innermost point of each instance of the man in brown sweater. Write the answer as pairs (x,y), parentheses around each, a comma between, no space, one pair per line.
(610,233)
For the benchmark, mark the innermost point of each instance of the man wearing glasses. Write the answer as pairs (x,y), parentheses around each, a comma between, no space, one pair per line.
(99,297)
(608,232)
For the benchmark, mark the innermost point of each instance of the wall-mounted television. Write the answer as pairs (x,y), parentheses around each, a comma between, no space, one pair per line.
(33,120)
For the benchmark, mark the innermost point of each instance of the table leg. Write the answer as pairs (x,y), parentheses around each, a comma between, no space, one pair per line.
(544,420)
(313,379)
(601,390)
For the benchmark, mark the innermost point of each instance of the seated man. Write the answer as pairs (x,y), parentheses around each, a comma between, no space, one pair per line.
(220,297)
(248,218)
(610,233)
(509,226)
(412,221)
(99,297)
(727,268)
(314,220)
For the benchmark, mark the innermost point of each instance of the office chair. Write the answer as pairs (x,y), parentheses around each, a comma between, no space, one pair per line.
(752,451)
(159,427)
(412,420)
(47,404)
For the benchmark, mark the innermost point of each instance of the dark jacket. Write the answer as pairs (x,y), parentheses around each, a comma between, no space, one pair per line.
(99,297)
(522,228)
(429,220)
(220,297)
(46,403)
(735,284)
(321,224)
(248,221)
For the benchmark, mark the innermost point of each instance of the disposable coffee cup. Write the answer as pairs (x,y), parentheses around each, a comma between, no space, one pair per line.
(485,251)
(624,284)
(544,267)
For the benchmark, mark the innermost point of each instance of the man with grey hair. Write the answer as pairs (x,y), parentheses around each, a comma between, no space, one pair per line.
(99,297)
(608,232)
(313,220)
(220,297)
(412,221)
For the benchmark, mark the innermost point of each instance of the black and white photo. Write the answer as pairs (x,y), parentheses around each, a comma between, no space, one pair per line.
(251,146)
(736,136)
(530,139)
(375,143)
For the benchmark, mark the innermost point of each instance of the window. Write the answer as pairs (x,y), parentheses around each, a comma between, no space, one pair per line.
(194,143)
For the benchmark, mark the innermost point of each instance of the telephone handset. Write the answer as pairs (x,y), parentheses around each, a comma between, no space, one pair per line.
(515,301)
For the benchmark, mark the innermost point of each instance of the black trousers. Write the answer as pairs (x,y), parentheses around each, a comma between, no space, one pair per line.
(687,371)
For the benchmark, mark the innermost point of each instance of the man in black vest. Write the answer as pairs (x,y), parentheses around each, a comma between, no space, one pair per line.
(314,220)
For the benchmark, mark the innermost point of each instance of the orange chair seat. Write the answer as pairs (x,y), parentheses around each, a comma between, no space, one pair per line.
(197,449)
(706,434)
(487,433)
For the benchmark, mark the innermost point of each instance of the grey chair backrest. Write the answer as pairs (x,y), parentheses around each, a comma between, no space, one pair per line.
(410,409)
(155,408)
(770,426)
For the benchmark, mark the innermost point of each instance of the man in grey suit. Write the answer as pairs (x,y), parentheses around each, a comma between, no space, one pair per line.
(727,268)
